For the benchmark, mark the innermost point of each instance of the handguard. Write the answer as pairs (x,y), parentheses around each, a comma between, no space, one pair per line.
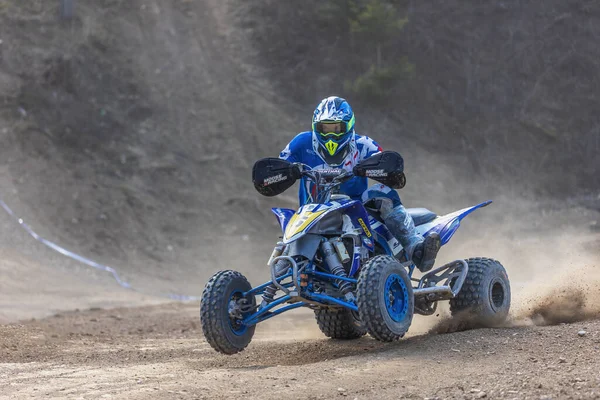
(273,176)
(386,167)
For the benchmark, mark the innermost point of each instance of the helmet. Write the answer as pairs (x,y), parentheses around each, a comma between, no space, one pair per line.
(333,126)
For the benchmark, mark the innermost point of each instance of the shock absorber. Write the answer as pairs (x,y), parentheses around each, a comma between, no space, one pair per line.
(269,294)
(336,268)
(280,269)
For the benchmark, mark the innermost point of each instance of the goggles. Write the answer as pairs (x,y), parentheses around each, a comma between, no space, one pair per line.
(331,130)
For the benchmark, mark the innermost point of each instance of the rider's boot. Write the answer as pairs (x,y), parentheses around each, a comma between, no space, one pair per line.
(425,254)
(422,251)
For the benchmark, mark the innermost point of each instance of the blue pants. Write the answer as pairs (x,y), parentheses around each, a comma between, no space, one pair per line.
(387,201)
(381,197)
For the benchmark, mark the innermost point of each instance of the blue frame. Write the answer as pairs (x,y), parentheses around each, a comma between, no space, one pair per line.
(447,226)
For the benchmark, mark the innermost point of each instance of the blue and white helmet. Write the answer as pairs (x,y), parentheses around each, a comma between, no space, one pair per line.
(333,125)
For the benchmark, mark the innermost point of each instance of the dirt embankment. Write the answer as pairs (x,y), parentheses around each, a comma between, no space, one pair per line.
(128,135)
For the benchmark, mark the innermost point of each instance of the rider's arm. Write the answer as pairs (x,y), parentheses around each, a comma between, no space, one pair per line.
(293,150)
(293,153)
(367,146)
(287,154)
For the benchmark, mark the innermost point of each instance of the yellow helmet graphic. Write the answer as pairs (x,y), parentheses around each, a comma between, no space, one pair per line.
(331,147)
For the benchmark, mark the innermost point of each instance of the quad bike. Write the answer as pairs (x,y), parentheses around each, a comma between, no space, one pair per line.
(338,258)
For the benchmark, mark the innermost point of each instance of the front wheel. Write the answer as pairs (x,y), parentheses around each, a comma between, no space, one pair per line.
(385,298)
(222,309)
(484,299)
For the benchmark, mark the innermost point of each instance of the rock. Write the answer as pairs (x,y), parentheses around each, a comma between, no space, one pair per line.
(581,333)
(481,395)
(562,360)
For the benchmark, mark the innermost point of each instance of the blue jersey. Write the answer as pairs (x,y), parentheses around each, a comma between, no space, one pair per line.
(304,148)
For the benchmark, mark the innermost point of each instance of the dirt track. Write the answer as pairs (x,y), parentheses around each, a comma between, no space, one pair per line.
(147,223)
(158,352)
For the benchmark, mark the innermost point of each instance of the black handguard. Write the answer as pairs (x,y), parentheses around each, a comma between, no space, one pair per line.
(272,176)
(386,167)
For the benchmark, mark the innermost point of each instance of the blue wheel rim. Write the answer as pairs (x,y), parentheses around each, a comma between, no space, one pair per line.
(237,327)
(396,297)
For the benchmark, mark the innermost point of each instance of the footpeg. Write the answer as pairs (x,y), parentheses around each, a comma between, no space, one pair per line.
(443,283)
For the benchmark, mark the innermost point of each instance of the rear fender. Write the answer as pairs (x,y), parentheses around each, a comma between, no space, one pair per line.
(447,225)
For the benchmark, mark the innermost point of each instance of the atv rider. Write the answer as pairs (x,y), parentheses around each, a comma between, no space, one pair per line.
(332,143)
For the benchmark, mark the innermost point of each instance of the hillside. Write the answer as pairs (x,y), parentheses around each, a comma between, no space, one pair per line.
(128,132)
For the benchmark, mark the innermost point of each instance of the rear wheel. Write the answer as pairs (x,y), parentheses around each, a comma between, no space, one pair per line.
(222,309)
(385,298)
(340,323)
(484,299)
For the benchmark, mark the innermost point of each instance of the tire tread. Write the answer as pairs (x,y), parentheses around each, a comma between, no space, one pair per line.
(368,302)
(211,316)
(337,323)
(472,296)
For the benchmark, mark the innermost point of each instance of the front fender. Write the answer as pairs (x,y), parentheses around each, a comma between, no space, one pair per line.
(283,216)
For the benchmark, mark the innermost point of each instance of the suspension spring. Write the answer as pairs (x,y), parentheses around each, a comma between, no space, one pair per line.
(280,269)
(336,267)
(269,293)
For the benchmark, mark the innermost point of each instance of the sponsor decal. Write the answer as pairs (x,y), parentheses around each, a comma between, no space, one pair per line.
(331,171)
(364,226)
(376,173)
(274,179)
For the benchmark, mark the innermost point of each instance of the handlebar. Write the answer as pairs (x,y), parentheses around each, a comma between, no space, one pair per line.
(326,180)
(272,176)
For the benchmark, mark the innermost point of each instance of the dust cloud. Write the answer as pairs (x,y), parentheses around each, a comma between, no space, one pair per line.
(552,260)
